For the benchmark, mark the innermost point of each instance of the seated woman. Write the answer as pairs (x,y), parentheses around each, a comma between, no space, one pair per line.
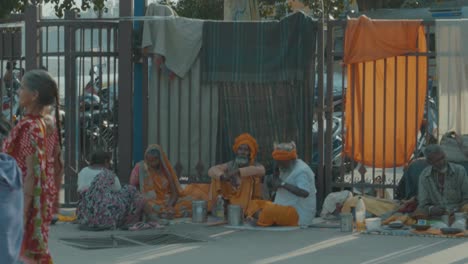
(100,160)
(159,184)
(103,203)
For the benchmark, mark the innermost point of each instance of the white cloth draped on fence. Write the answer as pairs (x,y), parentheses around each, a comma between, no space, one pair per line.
(183,113)
(452,70)
(178,39)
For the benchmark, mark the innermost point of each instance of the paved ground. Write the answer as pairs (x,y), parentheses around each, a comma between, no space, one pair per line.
(227,246)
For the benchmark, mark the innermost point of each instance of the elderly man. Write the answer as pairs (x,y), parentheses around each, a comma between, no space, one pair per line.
(443,186)
(238,181)
(295,201)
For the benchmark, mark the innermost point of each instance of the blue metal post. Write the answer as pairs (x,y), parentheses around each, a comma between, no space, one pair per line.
(139,9)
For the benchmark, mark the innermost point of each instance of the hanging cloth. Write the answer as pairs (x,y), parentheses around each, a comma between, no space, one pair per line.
(451,38)
(386,90)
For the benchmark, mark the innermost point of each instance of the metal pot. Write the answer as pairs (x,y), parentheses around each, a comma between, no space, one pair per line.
(199,211)
(346,222)
(235,215)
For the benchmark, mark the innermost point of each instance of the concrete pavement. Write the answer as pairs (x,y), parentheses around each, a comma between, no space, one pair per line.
(227,246)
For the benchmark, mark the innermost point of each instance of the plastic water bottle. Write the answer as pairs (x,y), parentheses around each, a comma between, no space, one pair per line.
(220,207)
(360,215)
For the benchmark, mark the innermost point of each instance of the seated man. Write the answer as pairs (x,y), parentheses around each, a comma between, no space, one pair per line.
(411,177)
(295,201)
(238,181)
(443,186)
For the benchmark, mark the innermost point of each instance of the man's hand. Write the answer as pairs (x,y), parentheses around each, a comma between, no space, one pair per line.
(224,178)
(234,173)
(276,183)
(234,178)
(437,211)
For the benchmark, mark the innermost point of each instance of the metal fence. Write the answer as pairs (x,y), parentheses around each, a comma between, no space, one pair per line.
(82,55)
(197,130)
(312,114)
(345,172)
(11,65)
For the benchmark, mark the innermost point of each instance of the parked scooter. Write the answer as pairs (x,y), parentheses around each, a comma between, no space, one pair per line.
(96,115)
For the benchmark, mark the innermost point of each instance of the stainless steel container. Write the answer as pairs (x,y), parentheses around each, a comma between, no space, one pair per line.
(199,211)
(446,219)
(235,215)
(346,222)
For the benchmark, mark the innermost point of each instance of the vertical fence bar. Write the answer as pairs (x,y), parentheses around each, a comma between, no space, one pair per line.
(46,46)
(321,62)
(58,57)
(210,148)
(101,79)
(158,112)
(138,94)
(374,114)
(179,126)
(384,113)
(2,57)
(125,130)
(395,117)
(406,114)
(199,165)
(115,97)
(169,116)
(344,162)
(31,33)
(329,109)
(81,91)
(12,82)
(427,92)
(189,168)
(418,128)
(71,110)
(353,119)
(145,95)
(363,123)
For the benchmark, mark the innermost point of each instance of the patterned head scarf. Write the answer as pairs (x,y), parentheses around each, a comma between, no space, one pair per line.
(247,139)
(156,151)
(285,151)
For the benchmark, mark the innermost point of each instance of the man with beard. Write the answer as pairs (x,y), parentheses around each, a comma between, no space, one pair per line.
(443,186)
(295,200)
(238,181)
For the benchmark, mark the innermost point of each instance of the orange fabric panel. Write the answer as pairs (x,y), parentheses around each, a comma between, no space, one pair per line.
(368,40)
(273,214)
(391,105)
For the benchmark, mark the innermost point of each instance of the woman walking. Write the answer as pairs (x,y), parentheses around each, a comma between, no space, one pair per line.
(30,144)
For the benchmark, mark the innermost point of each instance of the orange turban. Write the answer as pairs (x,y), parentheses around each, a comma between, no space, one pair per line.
(285,151)
(247,139)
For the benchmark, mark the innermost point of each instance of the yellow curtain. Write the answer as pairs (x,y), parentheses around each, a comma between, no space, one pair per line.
(386,92)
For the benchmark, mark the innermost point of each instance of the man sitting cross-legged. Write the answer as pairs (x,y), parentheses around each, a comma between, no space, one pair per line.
(295,200)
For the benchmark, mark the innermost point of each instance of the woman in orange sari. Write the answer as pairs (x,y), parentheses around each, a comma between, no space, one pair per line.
(156,179)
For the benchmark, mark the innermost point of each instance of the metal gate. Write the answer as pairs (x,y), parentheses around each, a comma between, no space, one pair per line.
(84,56)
